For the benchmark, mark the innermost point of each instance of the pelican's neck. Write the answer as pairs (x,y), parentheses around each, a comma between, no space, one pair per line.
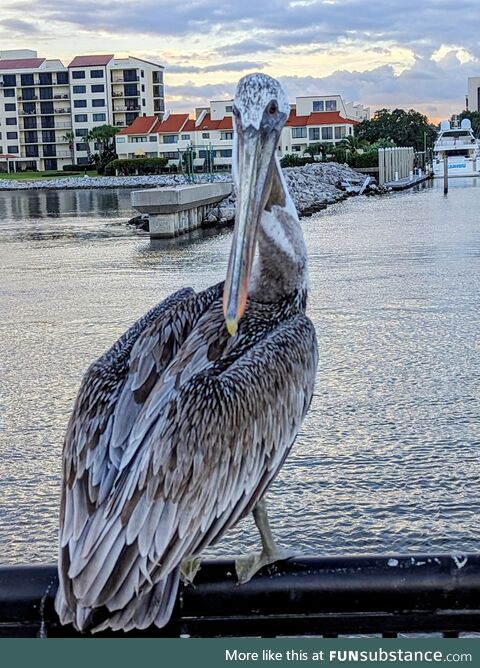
(280,266)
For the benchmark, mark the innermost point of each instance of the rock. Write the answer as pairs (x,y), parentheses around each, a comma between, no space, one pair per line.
(141,222)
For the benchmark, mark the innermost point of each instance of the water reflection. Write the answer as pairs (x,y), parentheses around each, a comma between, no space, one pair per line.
(388,457)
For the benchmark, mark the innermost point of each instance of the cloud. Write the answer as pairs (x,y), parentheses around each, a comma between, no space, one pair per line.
(244,47)
(18,26)
(237,66)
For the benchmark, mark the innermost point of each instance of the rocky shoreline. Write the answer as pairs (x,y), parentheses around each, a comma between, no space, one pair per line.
(313,187)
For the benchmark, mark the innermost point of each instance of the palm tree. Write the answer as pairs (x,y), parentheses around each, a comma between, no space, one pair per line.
(70,138)
(319,148)
(352,145)
(105,136)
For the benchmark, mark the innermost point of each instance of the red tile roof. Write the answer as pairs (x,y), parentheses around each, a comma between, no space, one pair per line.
(189,125)
(142,125)
(21,63)
(226,123)
(318,118)
(87,61)
(174,123)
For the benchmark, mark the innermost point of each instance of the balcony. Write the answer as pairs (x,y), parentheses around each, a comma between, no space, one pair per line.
(120,79)
(62,111)
(61,97)
(27,99)
(61,126)
(121,110)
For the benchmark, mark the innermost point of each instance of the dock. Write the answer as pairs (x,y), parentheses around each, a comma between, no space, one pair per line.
(306,596)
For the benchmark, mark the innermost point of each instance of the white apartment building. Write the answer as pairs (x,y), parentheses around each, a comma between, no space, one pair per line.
(42,101)
(312,119)
(473,97)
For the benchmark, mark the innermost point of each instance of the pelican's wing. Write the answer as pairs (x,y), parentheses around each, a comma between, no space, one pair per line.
(111,395)
(215,448)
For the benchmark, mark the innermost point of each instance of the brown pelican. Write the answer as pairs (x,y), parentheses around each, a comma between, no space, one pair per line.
(179,429)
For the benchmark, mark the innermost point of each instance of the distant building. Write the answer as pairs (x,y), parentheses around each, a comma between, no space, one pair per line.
(473,97)
(312,119)
(42,100)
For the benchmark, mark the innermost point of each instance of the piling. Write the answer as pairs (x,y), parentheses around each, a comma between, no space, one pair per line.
(445,175)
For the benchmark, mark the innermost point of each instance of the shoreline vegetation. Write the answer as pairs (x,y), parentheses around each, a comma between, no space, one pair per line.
(313,186)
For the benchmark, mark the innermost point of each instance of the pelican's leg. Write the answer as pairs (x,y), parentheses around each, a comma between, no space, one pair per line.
(189,568)
(248,565)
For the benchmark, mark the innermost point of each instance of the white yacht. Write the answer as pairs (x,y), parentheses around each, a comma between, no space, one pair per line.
(459,147)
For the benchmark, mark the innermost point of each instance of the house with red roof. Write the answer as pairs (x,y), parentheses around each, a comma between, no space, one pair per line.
(311,120)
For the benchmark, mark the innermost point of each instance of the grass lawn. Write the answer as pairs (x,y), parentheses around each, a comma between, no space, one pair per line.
(30,176)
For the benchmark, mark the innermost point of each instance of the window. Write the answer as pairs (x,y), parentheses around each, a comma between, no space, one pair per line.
(99,117)
(120,140)
(45,78)
(225,153)
(138,140)
(78,74)
(12,135)
(143,102)
(46,93)
(340,132)
(330,105)
(205,135)
(28,93)
(96,74)
(48,136)
(9,92)
(153,138)
(10,121)
(350,130)
(170,139)
(327,133)
(31,137)
(9,80)
(226,135)
(49,151)
(130,90)
(157,77)
(62,77)
(298,133)
(81,132)
(83,161)
(81,146)
(79,103)
(48,122)
(29,108)
(228,109)
(79,89)
(12,149)
(318,105)
(143,88)
(171,155)
(46,107)
(314,134)
(296,148)
(31,151)
(26,79)
(10,106)
(142,73)
(81,118)
(185,137)
(98,88)
(98,103)
(29,123)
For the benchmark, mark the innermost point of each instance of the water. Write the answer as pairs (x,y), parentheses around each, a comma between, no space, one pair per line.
(387,460)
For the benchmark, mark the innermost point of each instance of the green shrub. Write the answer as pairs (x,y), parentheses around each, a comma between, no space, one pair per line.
(129,166)
(294,160)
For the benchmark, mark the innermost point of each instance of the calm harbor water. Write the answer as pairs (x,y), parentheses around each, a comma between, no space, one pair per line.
(388,458)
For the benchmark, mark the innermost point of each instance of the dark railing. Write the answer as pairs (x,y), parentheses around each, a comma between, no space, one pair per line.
(326,596)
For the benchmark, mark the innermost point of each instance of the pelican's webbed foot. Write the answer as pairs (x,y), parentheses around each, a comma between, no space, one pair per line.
(250,564)
(189,568)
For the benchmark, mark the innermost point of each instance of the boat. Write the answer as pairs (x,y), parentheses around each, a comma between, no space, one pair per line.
(457,145)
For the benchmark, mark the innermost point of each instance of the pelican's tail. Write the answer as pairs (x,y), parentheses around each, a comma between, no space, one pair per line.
(154,606)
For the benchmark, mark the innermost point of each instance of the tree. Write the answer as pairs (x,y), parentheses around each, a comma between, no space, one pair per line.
(353,145)
(474,118)
(70,138)
(404,128)
(104,135)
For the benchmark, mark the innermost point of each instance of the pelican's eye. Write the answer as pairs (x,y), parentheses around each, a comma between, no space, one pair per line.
(272,108)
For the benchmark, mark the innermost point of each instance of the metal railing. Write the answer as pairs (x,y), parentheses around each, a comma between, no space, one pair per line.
(328,596)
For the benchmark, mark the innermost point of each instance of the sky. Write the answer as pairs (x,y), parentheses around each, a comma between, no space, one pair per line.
(384,54)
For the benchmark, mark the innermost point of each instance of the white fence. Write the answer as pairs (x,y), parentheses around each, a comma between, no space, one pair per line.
(395,164)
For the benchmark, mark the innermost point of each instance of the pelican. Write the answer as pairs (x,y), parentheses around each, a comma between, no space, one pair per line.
(179,429)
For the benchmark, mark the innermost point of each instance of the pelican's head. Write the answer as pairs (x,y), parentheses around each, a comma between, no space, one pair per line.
(260,110)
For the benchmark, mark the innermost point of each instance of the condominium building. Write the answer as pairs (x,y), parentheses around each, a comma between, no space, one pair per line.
(311,120)
(43,101)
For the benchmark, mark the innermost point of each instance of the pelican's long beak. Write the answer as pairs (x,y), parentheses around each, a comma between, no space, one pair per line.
(255,150)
